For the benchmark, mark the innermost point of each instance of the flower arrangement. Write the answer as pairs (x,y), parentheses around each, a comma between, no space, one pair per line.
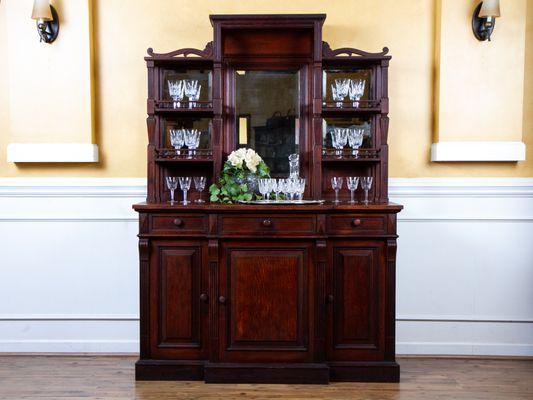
(239,174)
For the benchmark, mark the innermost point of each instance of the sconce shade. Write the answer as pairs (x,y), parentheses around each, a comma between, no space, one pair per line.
(41,10)
(490,8)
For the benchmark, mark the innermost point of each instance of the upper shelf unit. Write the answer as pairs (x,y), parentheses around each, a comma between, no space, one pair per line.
(184,82)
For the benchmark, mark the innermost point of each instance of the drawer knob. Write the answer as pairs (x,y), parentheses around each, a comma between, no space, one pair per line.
(203,297)
(330,298)
(178,222)
(267,222)
(222,300)
(356,222)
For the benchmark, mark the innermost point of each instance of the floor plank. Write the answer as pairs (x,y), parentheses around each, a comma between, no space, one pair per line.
(97,377)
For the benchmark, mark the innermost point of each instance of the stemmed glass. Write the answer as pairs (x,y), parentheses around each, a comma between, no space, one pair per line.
(177,139)
(283,187)
(340,90)
(172,184)
(192,91)
(352,182)
(356,89)
(185,185)
(277,187)
(340,138)
(300,188)
(355,140)
(199,185)
(336,185)
(176,91)
(264,188)
(366,185)
(192,141)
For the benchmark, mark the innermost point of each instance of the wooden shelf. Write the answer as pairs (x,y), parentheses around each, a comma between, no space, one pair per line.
(346,155)
(168,107)
(168,155)
(331,108)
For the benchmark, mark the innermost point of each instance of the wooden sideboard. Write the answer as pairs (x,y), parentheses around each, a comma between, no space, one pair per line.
(268,293)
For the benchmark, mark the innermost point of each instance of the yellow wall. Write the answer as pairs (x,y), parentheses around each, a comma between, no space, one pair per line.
(124,29)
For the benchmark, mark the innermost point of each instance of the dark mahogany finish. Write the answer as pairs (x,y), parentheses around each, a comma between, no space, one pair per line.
(286,294)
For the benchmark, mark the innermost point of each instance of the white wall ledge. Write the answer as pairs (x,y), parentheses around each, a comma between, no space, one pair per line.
(52,152)
(478,151)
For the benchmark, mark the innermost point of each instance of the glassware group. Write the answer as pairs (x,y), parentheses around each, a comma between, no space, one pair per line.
(180,88)
(351,136)
(187,137)
(185,185)
(291,188)
(345,87)
(351,183)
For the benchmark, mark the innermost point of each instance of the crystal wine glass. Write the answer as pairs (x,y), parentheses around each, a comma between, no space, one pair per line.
(185,185)
(177,139)
(300,188)
(282,185)
(336,97)
(191,91)
(272,187)
(172,184)
(176,91)
(192,141)
(355,140)
(352,182)
(356,89)
(263,187)
(278,188)
(199,185)
(336,185)
(366,185)
(196,96)
(342,86)
(340,139)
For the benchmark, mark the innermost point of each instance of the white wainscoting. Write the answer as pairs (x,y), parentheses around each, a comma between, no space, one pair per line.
(69,265)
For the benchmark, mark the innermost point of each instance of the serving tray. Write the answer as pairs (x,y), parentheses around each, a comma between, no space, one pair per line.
(281,202)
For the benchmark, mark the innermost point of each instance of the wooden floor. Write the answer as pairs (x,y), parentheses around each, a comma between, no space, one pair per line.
(76,377)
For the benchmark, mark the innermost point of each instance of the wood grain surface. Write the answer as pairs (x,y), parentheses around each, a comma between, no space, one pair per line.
(112,377)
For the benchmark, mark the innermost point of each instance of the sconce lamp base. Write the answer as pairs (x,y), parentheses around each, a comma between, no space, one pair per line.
(482,27)
(48,30)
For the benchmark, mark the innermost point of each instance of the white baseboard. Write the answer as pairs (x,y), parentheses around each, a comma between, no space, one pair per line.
(69,274)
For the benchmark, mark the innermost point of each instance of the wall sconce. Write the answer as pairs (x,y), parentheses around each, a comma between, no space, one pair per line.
(47,20)
(484,19)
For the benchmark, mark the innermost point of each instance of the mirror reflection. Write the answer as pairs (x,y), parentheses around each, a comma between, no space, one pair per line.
(267,115)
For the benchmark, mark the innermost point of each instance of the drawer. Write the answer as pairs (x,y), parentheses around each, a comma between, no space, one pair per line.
(179,224)
(351,224)
(281,225)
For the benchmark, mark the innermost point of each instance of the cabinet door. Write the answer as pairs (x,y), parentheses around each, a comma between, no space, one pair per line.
(178,300)
(265,312)
(356,318)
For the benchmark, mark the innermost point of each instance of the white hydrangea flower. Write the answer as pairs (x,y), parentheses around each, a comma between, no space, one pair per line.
(248,156)
(252,160)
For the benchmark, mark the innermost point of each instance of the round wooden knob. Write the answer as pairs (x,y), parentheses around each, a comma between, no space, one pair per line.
(267,222)
(330,298)
(178,222)
(203,297)
(356,222)
(222,300)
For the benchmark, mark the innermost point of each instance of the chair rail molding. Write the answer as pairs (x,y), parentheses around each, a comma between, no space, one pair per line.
(52,152)
(468,295)
(478,151)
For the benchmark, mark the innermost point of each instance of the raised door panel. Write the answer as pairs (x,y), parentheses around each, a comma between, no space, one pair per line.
(266,313)
(178,302)
(356,311)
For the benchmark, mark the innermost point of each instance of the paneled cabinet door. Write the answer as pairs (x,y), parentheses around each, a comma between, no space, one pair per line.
(265,311)
(178,300)
(356,313)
